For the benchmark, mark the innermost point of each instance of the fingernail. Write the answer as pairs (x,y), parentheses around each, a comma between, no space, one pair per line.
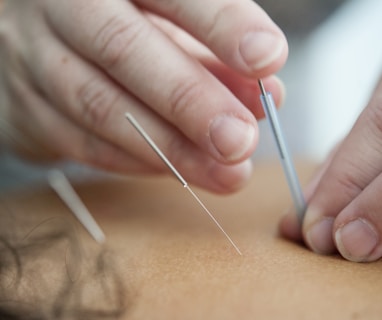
(356,240)
(319,236)
(232,137)
(234,177)
(260,49)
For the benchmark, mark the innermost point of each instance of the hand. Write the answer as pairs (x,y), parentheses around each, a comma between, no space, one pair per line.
(344,199)
(71,69)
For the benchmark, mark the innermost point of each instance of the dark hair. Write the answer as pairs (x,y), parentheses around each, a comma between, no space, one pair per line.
(86,284)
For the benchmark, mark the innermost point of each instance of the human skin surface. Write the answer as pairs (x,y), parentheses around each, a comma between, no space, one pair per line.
(175,264)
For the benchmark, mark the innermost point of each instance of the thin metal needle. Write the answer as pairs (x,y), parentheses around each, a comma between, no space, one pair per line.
(152,144)
(213,219)
(65,191)
(285,157)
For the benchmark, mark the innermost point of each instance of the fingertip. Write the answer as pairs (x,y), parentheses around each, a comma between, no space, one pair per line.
(357,240)
(275,85)
(232,138)
(272,84)
(289,227)
(263,52)
(280,98)
(230,178)
(319,235)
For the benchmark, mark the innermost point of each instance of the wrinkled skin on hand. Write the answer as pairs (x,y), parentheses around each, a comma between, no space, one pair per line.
(344,199)
(187,70)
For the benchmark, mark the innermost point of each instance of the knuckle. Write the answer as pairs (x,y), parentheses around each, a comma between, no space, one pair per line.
(115,38)
(375,123)
(184,95)
(97,100)
(349,185)
(220,19)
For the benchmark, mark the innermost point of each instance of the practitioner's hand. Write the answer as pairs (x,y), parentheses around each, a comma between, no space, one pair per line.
(345,207)
(69,70)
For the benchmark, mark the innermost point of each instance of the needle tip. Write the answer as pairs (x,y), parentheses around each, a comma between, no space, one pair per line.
(262,89)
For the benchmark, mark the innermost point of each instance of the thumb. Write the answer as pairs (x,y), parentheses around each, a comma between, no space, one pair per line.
(343,193)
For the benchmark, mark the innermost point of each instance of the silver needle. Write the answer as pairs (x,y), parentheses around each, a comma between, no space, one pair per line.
(65,191)
(286,160)
(152,144)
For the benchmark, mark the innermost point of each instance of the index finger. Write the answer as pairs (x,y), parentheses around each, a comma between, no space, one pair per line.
(117,38)
(240,33)
(341,193)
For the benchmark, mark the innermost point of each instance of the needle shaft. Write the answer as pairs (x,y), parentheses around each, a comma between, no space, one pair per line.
(152,144)
(285,157)
(65,191)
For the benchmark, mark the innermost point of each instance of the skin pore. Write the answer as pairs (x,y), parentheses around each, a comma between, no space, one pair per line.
(64,65)
(173,263)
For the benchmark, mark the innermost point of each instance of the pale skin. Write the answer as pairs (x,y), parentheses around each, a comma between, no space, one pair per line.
(173,262)
(188,71)
(344,207)
(71,69)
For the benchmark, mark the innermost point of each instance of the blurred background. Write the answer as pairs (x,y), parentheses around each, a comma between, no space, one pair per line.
(335,60)
(334,63)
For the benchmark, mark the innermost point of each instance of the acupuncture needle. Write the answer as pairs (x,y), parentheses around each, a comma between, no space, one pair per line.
(152,144)
(284,154)
(68,195)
